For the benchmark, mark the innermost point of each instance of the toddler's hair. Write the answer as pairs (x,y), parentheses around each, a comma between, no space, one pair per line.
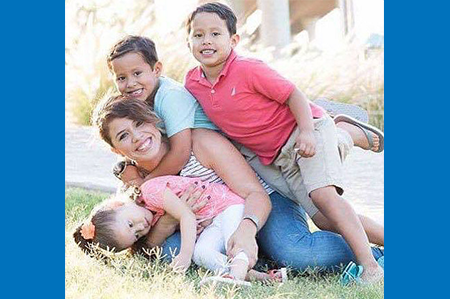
(134,44)
(223,11)
(102,217)
(118,106)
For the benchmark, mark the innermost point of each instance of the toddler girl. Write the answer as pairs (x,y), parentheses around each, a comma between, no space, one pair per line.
(119,225)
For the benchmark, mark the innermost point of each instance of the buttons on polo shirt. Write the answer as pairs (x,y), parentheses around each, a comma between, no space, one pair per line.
(213,91)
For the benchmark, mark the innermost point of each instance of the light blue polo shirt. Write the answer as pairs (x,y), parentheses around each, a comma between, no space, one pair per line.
(178,109)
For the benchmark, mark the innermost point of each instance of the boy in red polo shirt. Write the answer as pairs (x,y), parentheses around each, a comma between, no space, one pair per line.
(266,113)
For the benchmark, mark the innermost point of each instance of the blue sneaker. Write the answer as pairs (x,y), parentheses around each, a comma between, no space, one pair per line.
(352,274)
(380,262)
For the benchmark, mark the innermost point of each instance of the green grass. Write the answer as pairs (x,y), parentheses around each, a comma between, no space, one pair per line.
(127,276)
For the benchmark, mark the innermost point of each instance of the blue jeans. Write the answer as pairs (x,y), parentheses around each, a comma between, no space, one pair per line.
(287,240)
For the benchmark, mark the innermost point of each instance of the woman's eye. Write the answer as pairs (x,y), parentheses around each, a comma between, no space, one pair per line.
(197,35)
(137,73)
(130,224)
(123,136)
(216,34)
(120,78)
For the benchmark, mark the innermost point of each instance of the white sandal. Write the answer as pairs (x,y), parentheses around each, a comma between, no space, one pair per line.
(224,279)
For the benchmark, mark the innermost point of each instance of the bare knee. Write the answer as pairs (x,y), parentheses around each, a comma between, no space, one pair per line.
(325,195)
(331,206)
(322,222)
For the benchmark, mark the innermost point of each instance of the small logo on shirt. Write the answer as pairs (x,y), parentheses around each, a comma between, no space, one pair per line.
(233,91)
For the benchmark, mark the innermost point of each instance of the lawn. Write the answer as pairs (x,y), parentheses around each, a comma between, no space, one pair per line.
(125,276)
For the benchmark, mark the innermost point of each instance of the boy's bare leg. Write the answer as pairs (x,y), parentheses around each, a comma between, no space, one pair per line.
(374,230)
(358,136)
(344,219)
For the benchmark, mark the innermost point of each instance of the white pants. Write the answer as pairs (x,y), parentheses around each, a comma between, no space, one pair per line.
(210,247)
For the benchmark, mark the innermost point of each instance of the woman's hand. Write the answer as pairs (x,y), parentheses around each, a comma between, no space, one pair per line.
(191,196)
(243,239)
(167,224)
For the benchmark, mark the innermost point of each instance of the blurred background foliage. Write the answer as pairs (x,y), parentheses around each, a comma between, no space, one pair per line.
(348,72)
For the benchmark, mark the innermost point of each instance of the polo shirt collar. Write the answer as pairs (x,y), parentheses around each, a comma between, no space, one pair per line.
(200,74)
(230,60)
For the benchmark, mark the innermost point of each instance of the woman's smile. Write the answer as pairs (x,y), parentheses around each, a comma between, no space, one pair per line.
(136,140)
(145,145)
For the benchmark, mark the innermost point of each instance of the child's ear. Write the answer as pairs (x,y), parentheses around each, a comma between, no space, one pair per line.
(157,68)
(188,44)
(115,204)
(235,38)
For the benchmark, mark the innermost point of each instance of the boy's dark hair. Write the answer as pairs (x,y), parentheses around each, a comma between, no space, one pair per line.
(104,236)
(134,44)
(119,107)
(223,11)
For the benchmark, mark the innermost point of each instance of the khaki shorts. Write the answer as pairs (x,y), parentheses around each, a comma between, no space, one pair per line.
(304,175)
(273,176)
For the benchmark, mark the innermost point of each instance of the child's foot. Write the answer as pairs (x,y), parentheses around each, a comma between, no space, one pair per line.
(354,273)
(372,275)
(276,275)
(224,279)
(364,136)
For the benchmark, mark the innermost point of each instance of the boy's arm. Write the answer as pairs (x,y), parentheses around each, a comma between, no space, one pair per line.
(176,158)
(131,176)
(188,228)
(299,106)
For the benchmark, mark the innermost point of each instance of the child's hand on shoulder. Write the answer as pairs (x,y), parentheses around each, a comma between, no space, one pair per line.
(131,173)
(306,144)
(180,263)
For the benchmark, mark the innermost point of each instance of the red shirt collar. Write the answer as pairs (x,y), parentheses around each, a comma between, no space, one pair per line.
(199,73)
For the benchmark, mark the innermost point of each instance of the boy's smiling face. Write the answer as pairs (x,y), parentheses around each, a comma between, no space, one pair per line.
(210,42)
(134,77)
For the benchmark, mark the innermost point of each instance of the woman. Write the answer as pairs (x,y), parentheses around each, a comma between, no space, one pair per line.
(283,237)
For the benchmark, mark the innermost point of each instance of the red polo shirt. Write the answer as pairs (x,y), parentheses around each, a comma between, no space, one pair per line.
(247,102)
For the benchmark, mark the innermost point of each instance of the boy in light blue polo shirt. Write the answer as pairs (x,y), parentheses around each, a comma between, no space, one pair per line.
(178,108)
(137,73)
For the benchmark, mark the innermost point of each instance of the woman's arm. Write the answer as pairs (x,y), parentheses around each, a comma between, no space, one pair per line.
(188,227)
(164,228)
(216,152)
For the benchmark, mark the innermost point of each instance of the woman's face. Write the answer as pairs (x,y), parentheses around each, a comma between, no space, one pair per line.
(136,140)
